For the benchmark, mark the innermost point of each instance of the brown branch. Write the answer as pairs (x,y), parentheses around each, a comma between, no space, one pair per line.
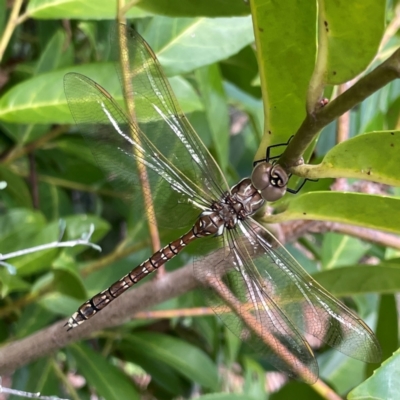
(385,73)
(295,229)
(11,25)
(18,151)
(126,76)
(369,235)
(177,313)
(343,122)
(48,340)
(325,391)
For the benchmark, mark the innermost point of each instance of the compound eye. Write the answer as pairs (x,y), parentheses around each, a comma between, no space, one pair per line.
(273,193)
(270,180)
(261,176)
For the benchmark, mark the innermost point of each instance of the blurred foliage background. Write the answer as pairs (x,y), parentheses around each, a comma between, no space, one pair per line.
(50,184)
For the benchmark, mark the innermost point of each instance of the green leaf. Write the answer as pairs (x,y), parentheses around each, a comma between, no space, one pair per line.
(295,390)
(80,225)
(23,134)
(360,279)
(33,318)
(78,9)
(17,227)
(188,8)
(11,283)
(383,384)
(226,396)
(387,330)
(177,354)
(16,189)
(110,382)
(376,212)
(59,304)
(339,250)
(3,14)
(241,70)
(39,260)
(285,39)
(54,201)
(255,381)
(214,99)
(198,41)
(41,376)
(41,99)
(163,377)
(67,280)
(347,51)
(342,372)
(52,56)
(372,156)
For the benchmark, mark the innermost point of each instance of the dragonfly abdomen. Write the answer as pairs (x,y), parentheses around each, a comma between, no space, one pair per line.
(159,258)
(207,224)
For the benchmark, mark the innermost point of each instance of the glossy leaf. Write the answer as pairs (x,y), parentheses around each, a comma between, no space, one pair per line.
(187,8)
(18,226)
(59,304)
(110,382)
(342,373)
(39,260)
(79,226)
(387,329)
(67,281)
(241,70)
(33,318)
(377,386)
(377,212)
(54,201)
(11,283)
(16,189)
(185,358)
(255,379)
(71,9)
(361,279)
(199,41)
(54,54)
(42,100)
(225,396)
(285,40)
(23,134)
(372,156)
(163,378)
(339,250)
(296,391)
(350,34)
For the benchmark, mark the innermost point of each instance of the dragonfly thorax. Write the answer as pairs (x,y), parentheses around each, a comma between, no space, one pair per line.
(242,201)
(245,199)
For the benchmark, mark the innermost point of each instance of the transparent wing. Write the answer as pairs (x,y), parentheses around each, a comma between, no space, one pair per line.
(121,149)
(157,111)
(157,144)
(228,275)
(306,303)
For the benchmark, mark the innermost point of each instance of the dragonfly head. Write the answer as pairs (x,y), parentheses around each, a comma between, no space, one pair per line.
(270,180)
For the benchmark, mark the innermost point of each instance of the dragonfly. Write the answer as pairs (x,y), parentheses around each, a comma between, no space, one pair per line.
(273,301)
